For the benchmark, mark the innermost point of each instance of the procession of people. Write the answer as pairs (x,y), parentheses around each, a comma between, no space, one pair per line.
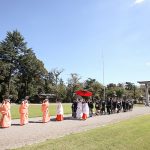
(83,105)
(85,108)
(82,108)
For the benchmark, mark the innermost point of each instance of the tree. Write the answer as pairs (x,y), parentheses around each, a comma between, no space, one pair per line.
(12,47)
(73,85)
(111,85)
(115,90)
(21,72)
(62,92)
(119,92)
(95,87)
(32,73)
(130,89)
(129,86)
(53,82)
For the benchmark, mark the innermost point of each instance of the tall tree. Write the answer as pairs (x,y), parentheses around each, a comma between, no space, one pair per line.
(12,47)
(19,66)
(53,82)
(73,85)
(32,71)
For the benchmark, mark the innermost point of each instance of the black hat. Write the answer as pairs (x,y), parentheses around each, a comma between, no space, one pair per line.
(8,100)
(44,100)
(22,99)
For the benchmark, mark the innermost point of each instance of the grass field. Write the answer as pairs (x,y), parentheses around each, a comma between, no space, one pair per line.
(35,110)
(139,105)
(133,134)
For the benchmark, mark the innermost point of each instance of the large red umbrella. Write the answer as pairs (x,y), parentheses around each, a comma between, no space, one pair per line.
(83,93)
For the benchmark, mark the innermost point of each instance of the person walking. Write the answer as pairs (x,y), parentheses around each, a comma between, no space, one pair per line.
(23,110)
(103,104)
(124,104)
(60,111)
(79,112)
(74,108)
(91,106)
(45,111)
(114,104)
(97,107)
(109,105)
(85,109)
(118,105)
(5,120)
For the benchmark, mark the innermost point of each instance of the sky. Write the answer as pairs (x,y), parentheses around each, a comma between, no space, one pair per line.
(85,36)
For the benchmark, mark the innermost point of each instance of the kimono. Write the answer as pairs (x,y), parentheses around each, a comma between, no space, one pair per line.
(5,120)
(79,112)
(85,111)
(45,111)
(60,112)
(23,110)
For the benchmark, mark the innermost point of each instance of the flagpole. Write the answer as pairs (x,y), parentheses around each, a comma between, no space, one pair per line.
(103,74)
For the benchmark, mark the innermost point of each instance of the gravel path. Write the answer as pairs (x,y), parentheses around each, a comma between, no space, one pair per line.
(35,131)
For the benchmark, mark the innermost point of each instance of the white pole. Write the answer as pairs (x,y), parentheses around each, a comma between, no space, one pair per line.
(103,74)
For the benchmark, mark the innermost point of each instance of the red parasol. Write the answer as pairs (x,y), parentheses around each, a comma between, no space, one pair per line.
(83,93)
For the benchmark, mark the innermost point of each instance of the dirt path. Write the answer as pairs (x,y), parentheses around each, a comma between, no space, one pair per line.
(35,131)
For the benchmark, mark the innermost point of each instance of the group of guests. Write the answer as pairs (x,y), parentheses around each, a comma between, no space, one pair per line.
(82,107)
(5,120)
(113,105)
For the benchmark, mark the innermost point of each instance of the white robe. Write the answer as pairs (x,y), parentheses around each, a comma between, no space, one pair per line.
(79,112)
(86,109)
(60,110)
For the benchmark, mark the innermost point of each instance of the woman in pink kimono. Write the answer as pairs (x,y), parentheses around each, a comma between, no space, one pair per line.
(60,111)
(5,120)
(45,111)
(23,110)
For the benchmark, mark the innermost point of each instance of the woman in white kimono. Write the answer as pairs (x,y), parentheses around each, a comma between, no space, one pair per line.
(85,108)
(60,111)
(79,112)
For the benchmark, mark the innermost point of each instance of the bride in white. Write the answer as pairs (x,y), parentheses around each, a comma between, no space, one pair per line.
(79,112)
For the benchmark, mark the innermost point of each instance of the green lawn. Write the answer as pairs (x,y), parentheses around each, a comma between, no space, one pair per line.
(35,110)
(133,134)
(139,105)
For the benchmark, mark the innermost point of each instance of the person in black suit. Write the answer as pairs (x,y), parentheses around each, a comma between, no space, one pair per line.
(109,105)
(74,108)
(91,106)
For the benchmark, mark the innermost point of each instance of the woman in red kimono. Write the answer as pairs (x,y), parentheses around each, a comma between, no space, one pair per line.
(23,110)
(5,120)
(45,111)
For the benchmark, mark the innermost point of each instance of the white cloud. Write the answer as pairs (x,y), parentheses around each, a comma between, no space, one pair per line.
(147,64)
(138,2)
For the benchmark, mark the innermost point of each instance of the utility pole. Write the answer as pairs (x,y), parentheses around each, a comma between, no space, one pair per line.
(103,75)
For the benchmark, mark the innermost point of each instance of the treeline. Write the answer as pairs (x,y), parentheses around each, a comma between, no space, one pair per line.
(22,73)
